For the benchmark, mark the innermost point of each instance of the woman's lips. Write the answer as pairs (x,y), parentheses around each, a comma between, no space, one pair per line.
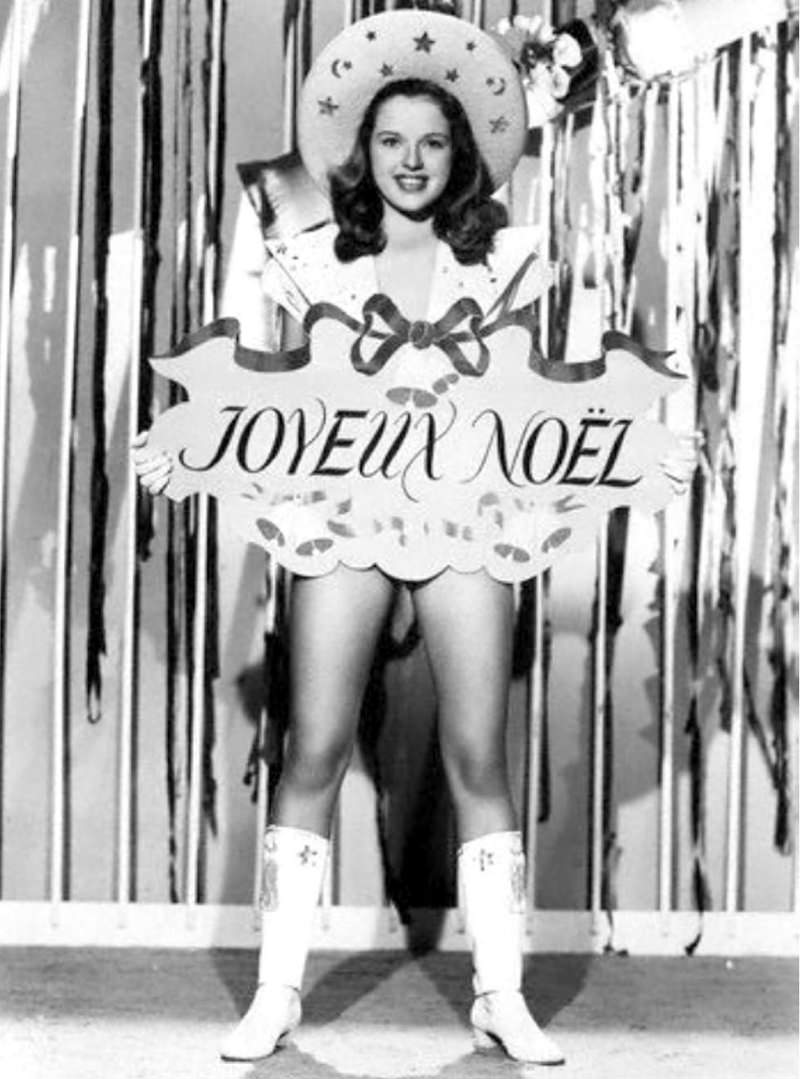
(411,183)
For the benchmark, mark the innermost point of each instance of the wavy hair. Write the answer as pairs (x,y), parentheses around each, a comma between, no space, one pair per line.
(465,215)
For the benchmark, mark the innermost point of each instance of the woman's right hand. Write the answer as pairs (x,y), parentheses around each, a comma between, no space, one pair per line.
(153,467)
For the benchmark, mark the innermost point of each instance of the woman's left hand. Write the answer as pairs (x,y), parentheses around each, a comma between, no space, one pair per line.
(679,466)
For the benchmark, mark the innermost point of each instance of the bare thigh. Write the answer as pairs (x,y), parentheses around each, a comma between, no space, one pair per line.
(467,623)
(334,626)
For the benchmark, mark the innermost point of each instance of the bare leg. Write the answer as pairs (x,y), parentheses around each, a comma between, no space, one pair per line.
(335,623)
(467,623)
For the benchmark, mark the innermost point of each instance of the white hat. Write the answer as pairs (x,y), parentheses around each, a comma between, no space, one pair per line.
(443,49)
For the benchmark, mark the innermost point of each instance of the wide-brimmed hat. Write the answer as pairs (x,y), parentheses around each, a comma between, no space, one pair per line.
(445,50)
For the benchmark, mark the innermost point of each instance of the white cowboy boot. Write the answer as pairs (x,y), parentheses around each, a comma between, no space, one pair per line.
(492,871)
(293,867)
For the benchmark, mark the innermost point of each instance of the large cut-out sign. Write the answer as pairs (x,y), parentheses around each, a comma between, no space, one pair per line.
(422,462)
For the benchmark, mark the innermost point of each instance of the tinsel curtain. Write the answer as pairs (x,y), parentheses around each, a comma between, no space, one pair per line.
(728,131)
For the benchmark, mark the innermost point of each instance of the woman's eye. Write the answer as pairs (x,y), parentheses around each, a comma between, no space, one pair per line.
(389,140)
(437,144)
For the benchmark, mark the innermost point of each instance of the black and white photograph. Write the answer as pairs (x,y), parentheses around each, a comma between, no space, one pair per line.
(399,539)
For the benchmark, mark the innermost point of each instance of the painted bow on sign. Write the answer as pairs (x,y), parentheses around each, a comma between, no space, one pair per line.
(507,469)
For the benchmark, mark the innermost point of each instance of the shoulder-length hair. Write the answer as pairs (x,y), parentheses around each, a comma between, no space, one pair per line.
(465,215)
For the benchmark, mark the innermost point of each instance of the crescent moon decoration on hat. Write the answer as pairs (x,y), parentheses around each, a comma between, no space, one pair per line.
(445,50)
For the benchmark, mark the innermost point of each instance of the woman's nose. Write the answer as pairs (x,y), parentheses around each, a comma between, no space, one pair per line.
(413,157)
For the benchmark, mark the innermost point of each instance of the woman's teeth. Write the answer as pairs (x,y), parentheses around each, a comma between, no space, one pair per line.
(411,183)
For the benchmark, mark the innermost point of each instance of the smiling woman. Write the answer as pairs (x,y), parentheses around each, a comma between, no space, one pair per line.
(410,152)
(421,303)
(414,183)
(419,245)
(415,153)
(657,812)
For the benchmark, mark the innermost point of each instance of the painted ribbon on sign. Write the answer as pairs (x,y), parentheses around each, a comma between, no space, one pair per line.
(421,452)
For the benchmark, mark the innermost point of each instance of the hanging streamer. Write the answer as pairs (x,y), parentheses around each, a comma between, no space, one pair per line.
(717,371)
(177,606)
(151,196)
(620,250)
(712,105)
(204,575)
(214,131)
(60,756)
(103,217)
(8,240)
(782,584)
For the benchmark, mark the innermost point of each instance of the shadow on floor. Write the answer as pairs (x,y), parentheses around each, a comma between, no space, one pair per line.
(550,982)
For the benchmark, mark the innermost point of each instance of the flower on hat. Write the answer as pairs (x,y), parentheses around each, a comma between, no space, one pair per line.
(547,59)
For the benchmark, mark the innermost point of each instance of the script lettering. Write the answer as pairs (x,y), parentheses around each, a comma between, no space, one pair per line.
(404,422)
(224,442)
(334,442)
(615,481)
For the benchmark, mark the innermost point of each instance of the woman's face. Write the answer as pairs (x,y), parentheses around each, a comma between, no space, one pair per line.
(410,153)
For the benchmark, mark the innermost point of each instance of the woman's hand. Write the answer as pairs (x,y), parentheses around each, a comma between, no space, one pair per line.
(679,466)
(153,467)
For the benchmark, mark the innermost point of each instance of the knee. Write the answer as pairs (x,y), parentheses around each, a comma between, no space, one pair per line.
(316,764)
(478,772)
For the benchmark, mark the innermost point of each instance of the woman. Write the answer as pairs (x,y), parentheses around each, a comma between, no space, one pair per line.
(412,204)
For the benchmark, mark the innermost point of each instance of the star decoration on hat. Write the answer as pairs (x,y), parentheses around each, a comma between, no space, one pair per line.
(327,106)
(386,70)
(424,42)
(452,75)
(499,125)
(472,46)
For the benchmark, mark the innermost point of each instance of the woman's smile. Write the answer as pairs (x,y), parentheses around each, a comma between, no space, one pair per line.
(411,182)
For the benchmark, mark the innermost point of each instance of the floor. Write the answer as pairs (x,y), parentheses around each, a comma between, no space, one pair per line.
(137,1014)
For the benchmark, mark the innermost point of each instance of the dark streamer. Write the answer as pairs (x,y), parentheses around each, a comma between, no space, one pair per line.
(151,195)
(774,741)
(693,728)
(103,217)
(214,191)
(545,780)
(779,705)
(702,619)
(211,672)
(173,638)
(177,515)
(727,366)
(617,543)
(775,766)
(782,581)
(212,237)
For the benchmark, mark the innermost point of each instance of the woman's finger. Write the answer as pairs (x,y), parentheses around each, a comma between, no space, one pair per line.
(158,485)
(151,469)
(153,474)
(148,462)
(154,485)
